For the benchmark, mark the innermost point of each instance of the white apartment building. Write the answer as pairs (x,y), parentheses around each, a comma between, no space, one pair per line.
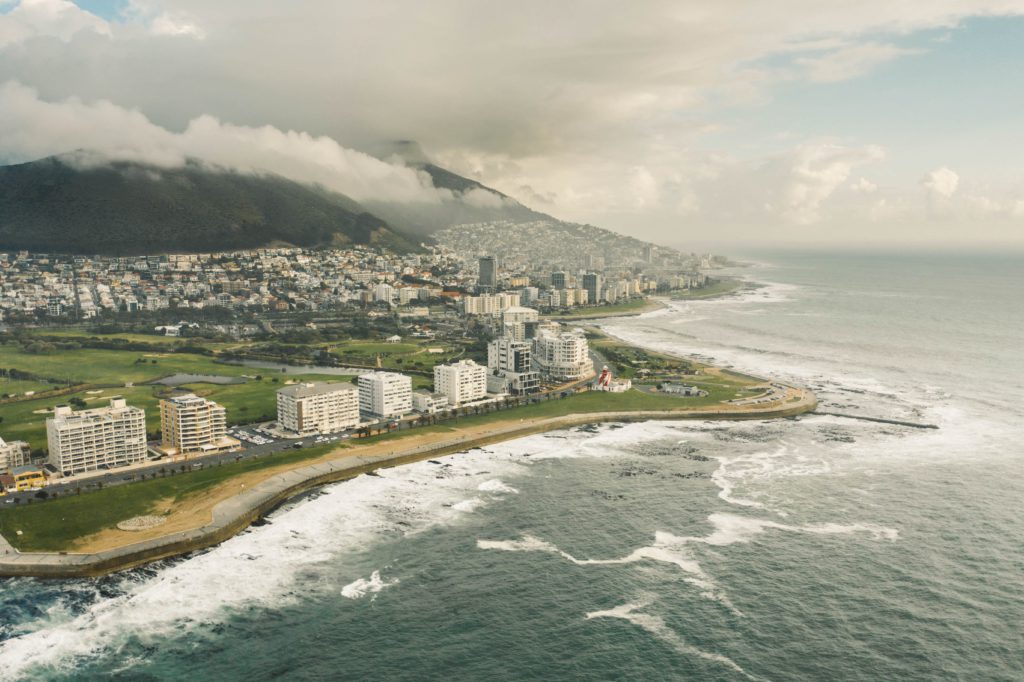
(318,407)
(489,304)
(462,382)
(13,454)
(561,355)
(384,293)
(425,402)
(101,437)
(515,321)
(510,367)
(190,424)
(385,394)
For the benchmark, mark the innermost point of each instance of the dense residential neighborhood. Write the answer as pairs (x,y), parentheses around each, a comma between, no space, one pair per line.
(480,310)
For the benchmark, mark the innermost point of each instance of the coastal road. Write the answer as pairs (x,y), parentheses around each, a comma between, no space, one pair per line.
(123,475)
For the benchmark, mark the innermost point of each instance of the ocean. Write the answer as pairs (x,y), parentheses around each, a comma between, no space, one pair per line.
(815,548)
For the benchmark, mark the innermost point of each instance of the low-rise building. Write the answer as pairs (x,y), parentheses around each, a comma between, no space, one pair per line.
(684,390)
(426,402)
(101,437)
(28,478)
(462,382)
(385,394)
(190,424)
(13,454)
(318,407)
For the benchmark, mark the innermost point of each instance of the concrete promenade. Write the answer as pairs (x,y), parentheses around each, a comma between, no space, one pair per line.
(236,513)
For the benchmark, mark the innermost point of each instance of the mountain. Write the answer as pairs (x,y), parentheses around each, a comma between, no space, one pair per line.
(472,202)
(55,205)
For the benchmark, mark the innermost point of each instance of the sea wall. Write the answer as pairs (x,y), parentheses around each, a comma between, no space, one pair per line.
(234,514)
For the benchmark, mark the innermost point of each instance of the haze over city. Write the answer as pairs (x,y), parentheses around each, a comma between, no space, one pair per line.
(867,124)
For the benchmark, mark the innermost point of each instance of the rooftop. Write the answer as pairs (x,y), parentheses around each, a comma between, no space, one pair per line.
(309,389)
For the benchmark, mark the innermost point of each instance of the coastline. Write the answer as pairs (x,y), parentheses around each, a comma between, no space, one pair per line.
(215,518)
(233,514)
(651,304)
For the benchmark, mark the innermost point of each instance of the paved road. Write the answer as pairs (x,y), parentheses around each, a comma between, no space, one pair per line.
(124,475)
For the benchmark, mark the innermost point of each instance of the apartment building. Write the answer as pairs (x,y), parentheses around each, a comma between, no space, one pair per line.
(194,425)
(462,382)
(87,440)
(489,304)
(385,394)
(594,284)
(561,355)
(13,454)
(519,322)
(510,366)
(318,407)
(425,402)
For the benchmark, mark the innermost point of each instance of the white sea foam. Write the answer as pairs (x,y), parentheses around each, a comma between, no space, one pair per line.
(256,569)
(759,468)
(496,486)
(732,528)
(262,565)
(656,626)
(364,586)
(470,505)
(667,548)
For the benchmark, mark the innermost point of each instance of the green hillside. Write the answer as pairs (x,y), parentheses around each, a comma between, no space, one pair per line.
(128,208)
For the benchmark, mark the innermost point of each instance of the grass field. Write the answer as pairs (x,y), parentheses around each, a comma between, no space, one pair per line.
(626,361)
(111,367)
(405,354)
(56,524)
(244,402)
(19,386)
(76,333)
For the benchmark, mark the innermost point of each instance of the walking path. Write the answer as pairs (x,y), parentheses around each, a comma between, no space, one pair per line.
(233,514)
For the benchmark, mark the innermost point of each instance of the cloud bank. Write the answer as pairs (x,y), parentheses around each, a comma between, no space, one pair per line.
(32,128)
(592,110)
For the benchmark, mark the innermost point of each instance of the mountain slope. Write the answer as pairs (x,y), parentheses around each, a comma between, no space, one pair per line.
(51,205)
(473,203)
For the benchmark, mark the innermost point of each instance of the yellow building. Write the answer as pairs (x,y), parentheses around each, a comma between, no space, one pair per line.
(28,478)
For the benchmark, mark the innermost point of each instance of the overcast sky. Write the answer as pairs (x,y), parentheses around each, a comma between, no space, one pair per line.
(870,123)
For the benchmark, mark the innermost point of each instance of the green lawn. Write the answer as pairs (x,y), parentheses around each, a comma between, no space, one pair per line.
(625,361)
(19,386)
(396,356)
(244,402)
(110,367)
(77,333)
(56,524)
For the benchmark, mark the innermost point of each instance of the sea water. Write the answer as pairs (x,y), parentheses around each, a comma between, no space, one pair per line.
(817,548)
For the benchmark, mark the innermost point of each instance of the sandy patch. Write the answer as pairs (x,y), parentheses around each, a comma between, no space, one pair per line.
(140,523)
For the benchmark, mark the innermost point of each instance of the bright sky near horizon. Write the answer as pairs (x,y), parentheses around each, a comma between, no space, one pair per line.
(799,122)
